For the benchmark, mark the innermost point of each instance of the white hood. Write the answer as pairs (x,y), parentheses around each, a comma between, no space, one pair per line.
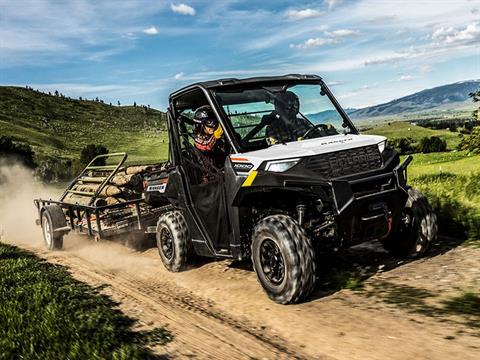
(304,148)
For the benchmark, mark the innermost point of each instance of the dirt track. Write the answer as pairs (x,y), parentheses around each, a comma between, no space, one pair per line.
(217,309)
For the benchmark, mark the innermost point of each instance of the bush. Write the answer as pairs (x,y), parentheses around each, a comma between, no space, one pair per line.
(403,146)
(432,144)
(20,152)
(92,150)
(54,170)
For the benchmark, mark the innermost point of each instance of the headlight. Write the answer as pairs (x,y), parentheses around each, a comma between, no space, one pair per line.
(281,166)
(381,146)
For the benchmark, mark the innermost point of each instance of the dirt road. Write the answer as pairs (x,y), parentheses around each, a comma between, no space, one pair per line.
(217,309)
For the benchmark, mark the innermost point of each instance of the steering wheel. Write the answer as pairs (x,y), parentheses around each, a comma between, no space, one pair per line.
(312,129)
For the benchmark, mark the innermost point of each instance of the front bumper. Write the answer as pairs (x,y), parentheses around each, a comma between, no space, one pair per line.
(365,206)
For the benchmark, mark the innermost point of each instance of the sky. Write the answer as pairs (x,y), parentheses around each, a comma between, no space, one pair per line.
(368,51)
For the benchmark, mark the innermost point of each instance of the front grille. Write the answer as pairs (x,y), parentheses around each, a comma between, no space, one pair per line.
(345,162)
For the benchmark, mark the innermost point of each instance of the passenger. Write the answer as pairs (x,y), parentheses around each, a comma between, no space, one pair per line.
(284,125)
(209,141)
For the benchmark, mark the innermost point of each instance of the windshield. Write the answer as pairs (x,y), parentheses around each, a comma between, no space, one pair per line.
(265,116)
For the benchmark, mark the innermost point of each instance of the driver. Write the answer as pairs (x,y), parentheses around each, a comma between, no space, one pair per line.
(284,125)
(209,141)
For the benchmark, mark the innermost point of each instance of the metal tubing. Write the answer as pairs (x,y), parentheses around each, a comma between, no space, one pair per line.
(79,220)
(137,207)
(89,224)
(70,215)
(97,220)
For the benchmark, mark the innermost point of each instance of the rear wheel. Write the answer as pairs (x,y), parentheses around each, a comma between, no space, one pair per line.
(53,218)
(173,240)
(418,228)
(283,259)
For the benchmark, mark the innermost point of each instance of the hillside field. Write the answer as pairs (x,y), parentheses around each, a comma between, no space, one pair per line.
(402,129)
(59,127)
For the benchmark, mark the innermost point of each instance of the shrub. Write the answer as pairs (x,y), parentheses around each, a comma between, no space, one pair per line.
(20,152)
(432,144)
(403,146)
(54,170)
(92,150)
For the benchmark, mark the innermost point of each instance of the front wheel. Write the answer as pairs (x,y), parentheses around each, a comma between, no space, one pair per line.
(173,240)
(283,259)
(417,230)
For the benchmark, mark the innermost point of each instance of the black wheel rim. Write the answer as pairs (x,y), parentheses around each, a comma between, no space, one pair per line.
(166,243)
(271,260)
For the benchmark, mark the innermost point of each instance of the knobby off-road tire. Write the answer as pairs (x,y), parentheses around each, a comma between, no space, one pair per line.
(283,259)
(53,218)
(418,228)
(173,241)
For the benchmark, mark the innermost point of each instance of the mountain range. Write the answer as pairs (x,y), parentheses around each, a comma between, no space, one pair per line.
(451,96)
(446,97)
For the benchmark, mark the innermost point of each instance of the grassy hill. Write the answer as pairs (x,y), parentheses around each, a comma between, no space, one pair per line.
(60,127)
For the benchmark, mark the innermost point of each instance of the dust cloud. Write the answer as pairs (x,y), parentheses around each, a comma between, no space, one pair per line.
(18,188)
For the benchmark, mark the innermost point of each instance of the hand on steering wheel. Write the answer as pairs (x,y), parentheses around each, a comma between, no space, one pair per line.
(312,129)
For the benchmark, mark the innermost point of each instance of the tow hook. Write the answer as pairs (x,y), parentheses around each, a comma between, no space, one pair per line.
(301,213)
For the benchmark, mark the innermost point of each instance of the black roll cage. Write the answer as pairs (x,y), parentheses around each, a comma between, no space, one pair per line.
(209,89)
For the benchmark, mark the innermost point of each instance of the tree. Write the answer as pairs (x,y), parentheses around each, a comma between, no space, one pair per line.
(90,151)
(471,143)
(96,99)
(20,152)
(118,102)
(402,145)
(80,98)
(56,92)
(475,98)
(432,144)
(134,104)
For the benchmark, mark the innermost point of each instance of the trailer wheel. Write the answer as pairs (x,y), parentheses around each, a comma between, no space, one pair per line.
(53,218)
(173,240)
(283,259)
(417,230)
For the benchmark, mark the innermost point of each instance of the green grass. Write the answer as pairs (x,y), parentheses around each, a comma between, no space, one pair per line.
(46,314)
(59,127)
(449,179)
(401,129)
(451,182)
(458,162)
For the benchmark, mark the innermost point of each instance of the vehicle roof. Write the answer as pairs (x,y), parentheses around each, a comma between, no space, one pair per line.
(229,82)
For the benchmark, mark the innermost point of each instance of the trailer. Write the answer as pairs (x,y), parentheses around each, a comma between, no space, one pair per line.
(132,219)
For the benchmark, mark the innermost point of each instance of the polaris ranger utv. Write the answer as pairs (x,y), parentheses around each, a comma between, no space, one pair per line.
(315,185)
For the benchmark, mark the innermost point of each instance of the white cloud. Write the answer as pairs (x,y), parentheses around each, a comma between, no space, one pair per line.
(152,30)
(332,3)
(302,14)
(470,34)
(183,9)
(341,33)
(425,68)
(405,78)
(391,58)
(179,76)
(313,42)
